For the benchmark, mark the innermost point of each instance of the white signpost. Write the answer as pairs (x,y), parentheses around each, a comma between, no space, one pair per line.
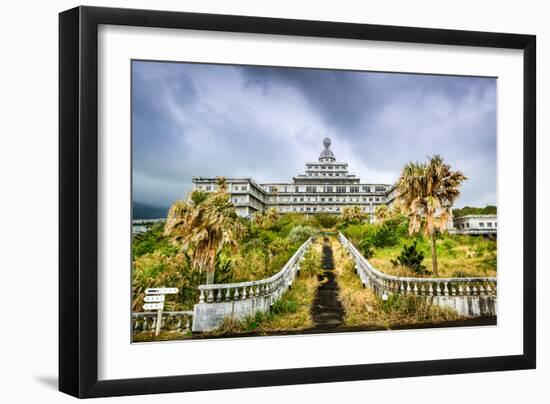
(154,298)
(155,301)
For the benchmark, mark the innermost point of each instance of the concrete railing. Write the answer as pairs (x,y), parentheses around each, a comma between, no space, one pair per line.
(179,321)
(238,300)
(468,296)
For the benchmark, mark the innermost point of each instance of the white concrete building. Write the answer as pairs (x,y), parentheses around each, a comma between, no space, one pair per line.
(325,186)
(475,224)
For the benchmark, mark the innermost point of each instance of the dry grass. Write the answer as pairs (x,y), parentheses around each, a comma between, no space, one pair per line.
(456,257)
(364,308)
(148,336)
(290,313)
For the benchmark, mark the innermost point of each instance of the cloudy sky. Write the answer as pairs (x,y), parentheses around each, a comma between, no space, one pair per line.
(264,122)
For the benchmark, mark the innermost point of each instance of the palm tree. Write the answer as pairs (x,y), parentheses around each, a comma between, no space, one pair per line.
(352,214)
(381,213)
(272,215)
(425,193)
(205,228)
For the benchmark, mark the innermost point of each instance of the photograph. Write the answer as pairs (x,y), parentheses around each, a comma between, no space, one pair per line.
(278,200)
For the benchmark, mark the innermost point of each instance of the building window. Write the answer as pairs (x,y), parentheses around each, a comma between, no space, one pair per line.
(301,199)
(370,199)
(495,224)
(489,224)
(468,225)
(310,189)
(341,190)
(481,224)
(377,199)
(208,187)
(330,199)
(353,189)
(380,189)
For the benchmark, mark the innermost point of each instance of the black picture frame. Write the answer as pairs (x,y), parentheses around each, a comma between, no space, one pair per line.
(78,201)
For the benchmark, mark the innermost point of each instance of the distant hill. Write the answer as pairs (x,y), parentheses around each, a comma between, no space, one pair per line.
(469,210)
(144,211)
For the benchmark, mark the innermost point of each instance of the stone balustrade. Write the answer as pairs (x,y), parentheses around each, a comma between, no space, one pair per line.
(179,321)
(238,300)
(468,296)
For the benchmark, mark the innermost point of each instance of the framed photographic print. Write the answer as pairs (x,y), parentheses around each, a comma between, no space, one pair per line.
(250,201)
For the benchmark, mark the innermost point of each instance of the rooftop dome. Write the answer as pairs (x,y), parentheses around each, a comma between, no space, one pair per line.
(326,154)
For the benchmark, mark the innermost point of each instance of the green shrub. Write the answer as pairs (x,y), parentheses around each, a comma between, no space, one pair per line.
(489,261)
(404,304)
(385,236)
(284,306)
(152,240)
(459,273)
(326,220)
(311,263)
(411,258)
(357,232)
(448,245)
(365,247)
(301,233)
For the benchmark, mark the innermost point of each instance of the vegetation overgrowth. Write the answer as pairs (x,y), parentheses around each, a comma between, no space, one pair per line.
(292,311)
(469,210)
(263,249)
(364,309)
(458,255)
(203,240)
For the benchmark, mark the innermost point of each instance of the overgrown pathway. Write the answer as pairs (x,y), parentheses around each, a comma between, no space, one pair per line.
(327,311)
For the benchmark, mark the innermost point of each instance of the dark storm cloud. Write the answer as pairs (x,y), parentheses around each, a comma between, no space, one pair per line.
(206,120)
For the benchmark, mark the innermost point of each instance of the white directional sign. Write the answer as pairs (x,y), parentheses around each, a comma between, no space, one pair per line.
(154,298)
(153,306)
(161,291)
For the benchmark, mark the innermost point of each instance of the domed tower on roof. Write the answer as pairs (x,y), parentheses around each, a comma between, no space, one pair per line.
(327,155)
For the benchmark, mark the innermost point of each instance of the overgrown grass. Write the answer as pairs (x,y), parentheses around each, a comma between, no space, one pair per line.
(148,336)
(363,308)
(457,255)
(291,312)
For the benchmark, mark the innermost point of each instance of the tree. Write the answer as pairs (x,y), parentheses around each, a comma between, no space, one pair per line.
(353,214)
(272,215)
(198,196)
(425,193)
(381,213)
(205,228)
